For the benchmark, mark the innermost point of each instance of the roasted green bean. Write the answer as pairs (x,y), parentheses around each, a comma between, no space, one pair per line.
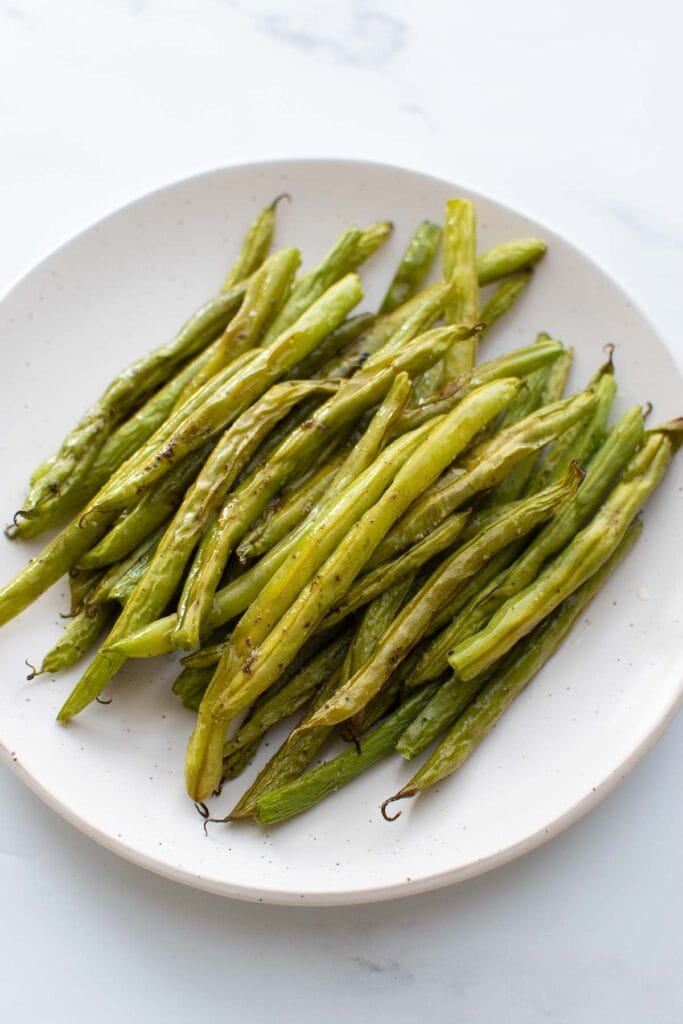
(255,245)
(484,466)
(507,680)
(414,266)
(444,582)
(307,790)
(583,556)
(170,557)
(50,494)
(508,258)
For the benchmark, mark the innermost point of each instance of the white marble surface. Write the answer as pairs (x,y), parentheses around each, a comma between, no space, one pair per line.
(569,111)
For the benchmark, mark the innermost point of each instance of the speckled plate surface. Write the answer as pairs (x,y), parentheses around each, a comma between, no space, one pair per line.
(125,285)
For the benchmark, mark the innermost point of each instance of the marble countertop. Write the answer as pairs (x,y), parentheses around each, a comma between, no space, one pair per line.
(567,111)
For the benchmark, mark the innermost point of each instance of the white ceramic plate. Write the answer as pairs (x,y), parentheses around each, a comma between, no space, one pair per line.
(117,772)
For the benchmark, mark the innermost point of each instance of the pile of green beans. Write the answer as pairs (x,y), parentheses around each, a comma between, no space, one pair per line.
(347,517)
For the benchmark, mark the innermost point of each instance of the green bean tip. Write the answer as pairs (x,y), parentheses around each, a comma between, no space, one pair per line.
(403,794)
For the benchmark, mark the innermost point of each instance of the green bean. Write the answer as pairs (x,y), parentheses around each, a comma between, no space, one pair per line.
(79,635)
(291,758)
(243,506)
(112,576)
(236,764)
(81,446)
(423,466)
(159,583)
(469,591)
(139,428)
(580,441)
(413,267)
(602,471)
(518,363)
(375,621)
(583,556)
(206,656)
(232,689)
(370,241)
(349,251)
(459,260)
(296,502)
(372,584)
(483,467)
(365,450)
(459,266)
(509,679)
(155,507)
(431,306)
(504,297)
(235,598)
(498,457)
(297,692)
(556,376)
(462,359)
(229,400)
(509,258)
(314,365)
(41,470)
(218,542)
(232,599)
(441,586)
(190,681)
(122,589)
(283,431)
(255,245)
(82,582)
(373,338)
(452,697)
(301,793)
(266,291)
(57,558)
(119,446)
(487,572)
(318,539)
(542,388)
(60,555)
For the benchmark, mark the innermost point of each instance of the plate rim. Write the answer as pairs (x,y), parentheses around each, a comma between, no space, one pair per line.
(374,893)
